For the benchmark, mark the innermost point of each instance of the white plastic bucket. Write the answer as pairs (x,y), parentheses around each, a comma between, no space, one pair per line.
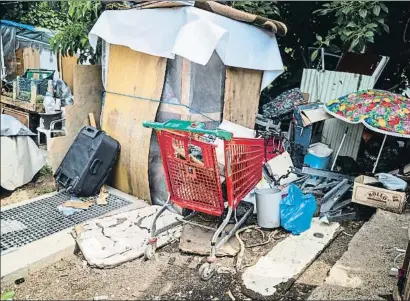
(268,207)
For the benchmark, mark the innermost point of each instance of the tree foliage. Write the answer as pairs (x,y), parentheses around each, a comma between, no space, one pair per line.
(268,9)
(355,25)
(359,26)
(73,38)
(50,15)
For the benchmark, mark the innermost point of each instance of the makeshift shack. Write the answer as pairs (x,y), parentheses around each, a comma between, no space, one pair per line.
(208,63)
(25,47)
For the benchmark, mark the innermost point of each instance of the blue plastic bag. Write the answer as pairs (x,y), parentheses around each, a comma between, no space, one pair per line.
(296,210)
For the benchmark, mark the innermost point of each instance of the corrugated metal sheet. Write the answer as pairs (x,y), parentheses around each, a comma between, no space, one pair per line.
(326,85)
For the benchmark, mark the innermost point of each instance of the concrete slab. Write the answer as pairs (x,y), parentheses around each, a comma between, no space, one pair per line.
(36,255)
(197,240)
(46,251)
(289,258)
(334,292)
(364,268)
(112,240)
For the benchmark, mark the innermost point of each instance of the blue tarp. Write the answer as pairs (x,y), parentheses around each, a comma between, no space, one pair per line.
(16,35)
(15,24)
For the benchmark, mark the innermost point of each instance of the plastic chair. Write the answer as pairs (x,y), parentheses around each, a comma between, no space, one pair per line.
(49,133)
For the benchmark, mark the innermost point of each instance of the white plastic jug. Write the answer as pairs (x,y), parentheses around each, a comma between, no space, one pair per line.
(268,207)
(49,104)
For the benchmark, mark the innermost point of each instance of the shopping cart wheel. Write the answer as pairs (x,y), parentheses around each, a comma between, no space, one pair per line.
(207,270)
(149,252)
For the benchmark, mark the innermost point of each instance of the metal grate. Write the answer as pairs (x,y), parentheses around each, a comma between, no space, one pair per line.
(41,218)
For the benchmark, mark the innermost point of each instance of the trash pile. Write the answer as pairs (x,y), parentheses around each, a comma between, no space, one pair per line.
(284,177)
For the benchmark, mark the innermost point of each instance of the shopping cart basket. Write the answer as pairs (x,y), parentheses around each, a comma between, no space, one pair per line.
(195,183)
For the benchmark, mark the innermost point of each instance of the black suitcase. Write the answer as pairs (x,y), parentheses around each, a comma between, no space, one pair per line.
(88,162)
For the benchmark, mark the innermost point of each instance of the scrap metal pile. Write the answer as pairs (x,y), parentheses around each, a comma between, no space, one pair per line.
(340,183)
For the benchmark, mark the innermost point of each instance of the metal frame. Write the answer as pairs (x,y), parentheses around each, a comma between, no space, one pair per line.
(242,164)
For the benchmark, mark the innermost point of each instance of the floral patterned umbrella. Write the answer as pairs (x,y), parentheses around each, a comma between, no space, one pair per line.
(379,110)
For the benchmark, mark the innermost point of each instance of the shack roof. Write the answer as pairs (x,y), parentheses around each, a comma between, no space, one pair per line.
(194,33)
(274,26)
(27,32)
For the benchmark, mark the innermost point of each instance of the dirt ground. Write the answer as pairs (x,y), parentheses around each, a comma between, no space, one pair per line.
(172,275)
(42,183)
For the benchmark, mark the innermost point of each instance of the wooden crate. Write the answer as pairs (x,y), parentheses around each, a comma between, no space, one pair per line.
(377,197)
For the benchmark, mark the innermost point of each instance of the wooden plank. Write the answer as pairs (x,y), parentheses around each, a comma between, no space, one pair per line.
(92,120)
(25,105)
(33,95)
(87,98)
(19,62)
(67,64)
(23,117)
(242,92)
(138,74)
(185,87)
(31,58)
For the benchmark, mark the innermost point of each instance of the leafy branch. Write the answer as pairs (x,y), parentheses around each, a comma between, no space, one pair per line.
(356,25)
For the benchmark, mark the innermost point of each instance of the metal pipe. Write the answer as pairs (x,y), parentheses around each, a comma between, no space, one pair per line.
(216,235)
(338,150)
(31,40)
(196,224)
(378,156)
(322,50)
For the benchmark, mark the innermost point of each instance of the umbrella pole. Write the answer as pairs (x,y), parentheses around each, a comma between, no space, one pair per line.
(378,156)
(338,150)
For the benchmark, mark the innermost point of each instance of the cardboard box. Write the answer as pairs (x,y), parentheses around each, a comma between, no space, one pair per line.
(377,197)
(310,116)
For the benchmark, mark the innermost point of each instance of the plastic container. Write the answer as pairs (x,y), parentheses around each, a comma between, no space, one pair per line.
(49,104)
(48,118)
(268,207)
(318,156)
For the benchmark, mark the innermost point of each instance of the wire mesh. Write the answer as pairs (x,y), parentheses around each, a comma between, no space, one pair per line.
(193,183)
(41,218)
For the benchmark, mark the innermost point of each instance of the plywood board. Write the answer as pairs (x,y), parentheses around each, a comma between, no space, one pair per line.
(19,62)
(87,99)
(31,58)
(67,64)
(242,91)
(137,74)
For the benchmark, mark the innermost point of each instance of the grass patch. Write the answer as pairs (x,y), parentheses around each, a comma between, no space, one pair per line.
(43,190)
(46,171)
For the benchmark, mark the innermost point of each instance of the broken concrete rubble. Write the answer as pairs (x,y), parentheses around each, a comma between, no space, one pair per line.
(115,239)
(288,259)
(197,240)
(363,270)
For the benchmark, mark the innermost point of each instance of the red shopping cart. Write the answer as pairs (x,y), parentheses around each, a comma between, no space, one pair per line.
(194,181)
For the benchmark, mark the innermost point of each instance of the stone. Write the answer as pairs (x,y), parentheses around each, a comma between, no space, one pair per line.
(115,239)
(197,240)
(363,270)
(289,258)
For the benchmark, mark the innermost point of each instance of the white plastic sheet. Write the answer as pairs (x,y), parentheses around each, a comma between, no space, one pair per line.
(194,34)
(21,159)
(10,126)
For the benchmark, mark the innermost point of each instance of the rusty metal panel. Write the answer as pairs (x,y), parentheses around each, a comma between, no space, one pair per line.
(325,85)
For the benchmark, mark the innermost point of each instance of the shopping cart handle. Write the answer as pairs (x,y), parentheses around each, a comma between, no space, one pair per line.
(187,126)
